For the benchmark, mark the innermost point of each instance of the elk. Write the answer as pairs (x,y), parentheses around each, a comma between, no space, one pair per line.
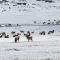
(42,33)
(16,39)
(51,32)
(28,37)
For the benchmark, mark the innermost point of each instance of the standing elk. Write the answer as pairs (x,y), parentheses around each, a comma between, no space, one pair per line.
(28,37)
(16,39)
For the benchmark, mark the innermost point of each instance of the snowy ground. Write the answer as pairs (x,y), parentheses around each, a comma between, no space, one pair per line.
(42,48)
(33,11)
(47,47)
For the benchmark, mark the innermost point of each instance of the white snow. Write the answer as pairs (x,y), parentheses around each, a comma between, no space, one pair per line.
(41,11)
(42,48)
(36,50)
(45,47)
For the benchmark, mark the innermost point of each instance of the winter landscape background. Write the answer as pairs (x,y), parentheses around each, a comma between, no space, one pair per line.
(36,17)
(10,12)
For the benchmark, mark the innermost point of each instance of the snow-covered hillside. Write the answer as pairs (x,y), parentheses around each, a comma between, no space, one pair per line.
(45,39)
(33,10)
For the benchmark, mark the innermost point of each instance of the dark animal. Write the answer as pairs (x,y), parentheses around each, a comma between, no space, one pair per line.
(3,33)
(0,36)
(42,33)
(28,33)
(16,39)
(13,32)
(21,31)
(15,35)
(24,3)
(6,36)
(14,5)
(48,23)
(50,1)
(32,32)
(51,32)
(28,37)
(21,3)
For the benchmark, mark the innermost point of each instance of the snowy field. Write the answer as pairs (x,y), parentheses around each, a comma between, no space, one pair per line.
(33,11)
(43,47)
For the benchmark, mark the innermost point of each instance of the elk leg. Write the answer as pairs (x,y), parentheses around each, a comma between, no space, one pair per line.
(15,41)
(31,40)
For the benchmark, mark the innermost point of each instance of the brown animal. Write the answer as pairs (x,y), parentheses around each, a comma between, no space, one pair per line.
(0,36)
(15,35)
(51,32)
(13,32)
(28,33)
(28,37)
(16,39)
(6,36)
(32,32)
(18,34)
(21,31)
(3,33)
(42,33)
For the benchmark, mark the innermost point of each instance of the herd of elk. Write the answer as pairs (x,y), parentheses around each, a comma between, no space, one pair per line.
(27,35)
